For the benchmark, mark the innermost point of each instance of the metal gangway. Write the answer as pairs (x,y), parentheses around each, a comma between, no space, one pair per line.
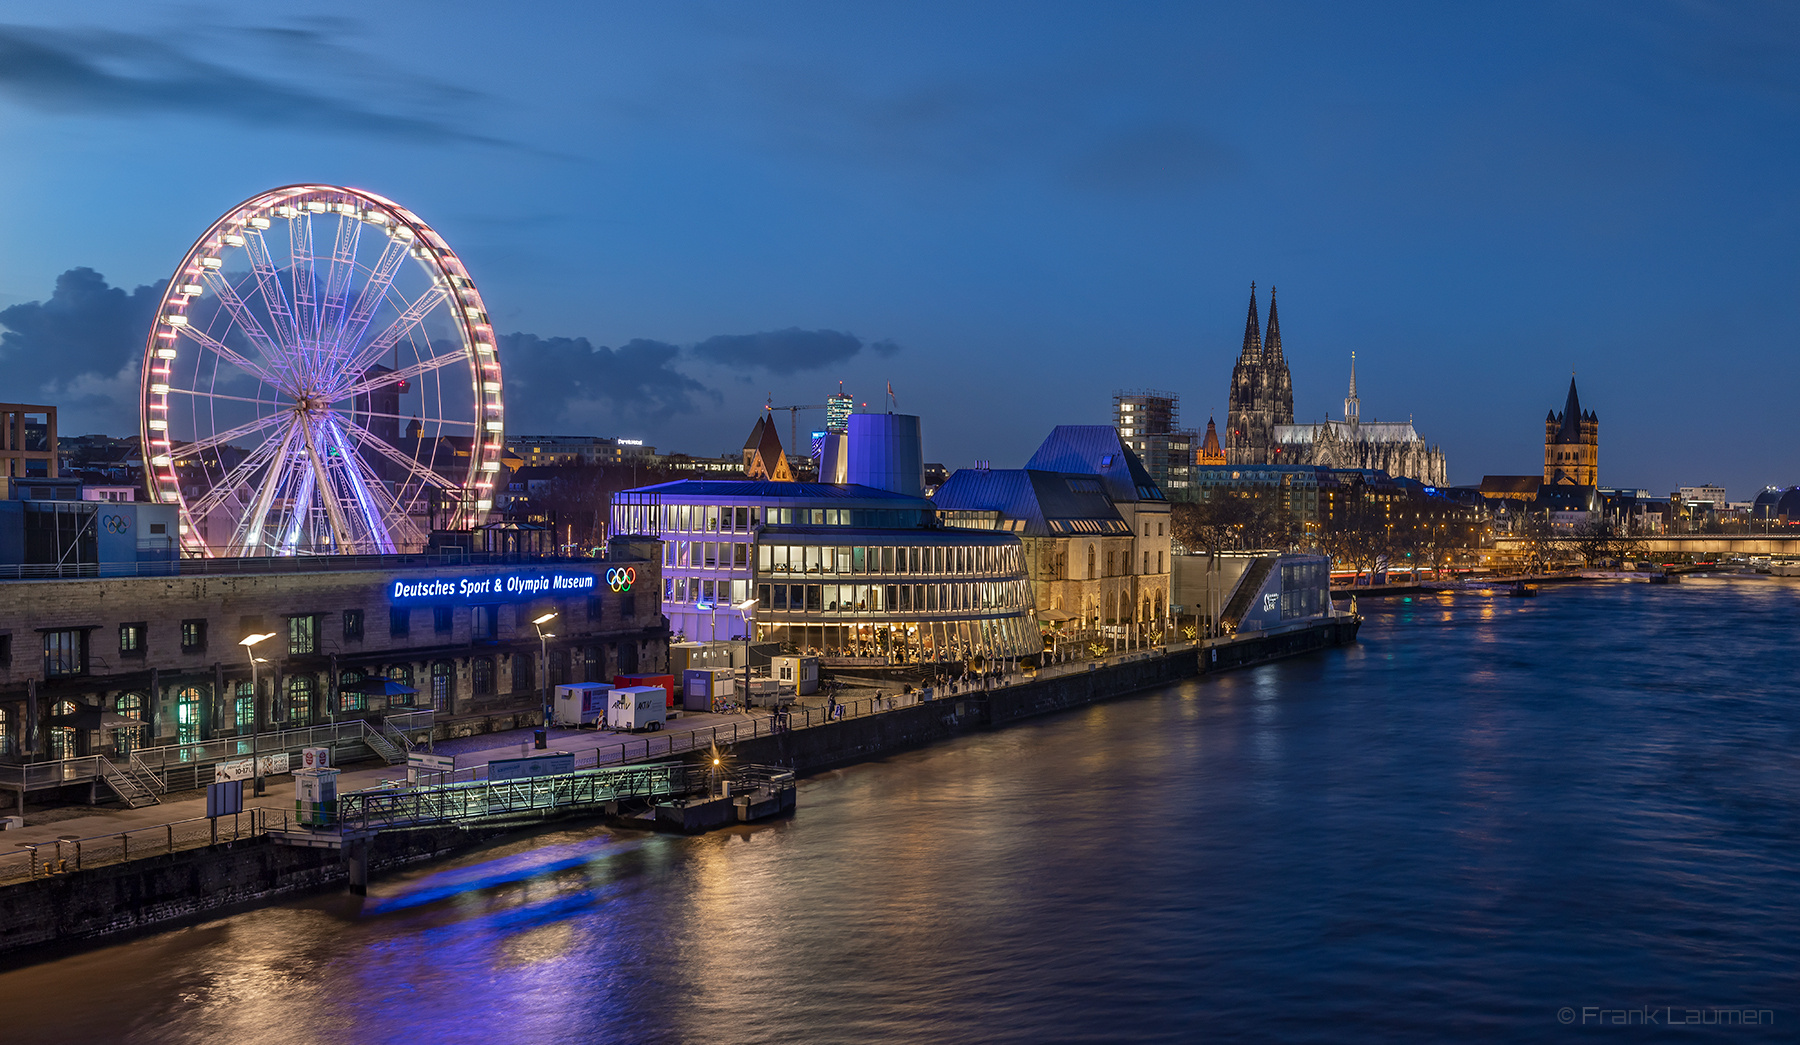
(387,808)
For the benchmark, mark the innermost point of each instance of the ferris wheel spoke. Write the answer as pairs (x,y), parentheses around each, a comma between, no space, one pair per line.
(370,384)
(370,297)
(380,446)
(405,417)
(246,320)
(237,478)
(250,526)
(334,508)
(306,304)
(220,438)
(361,486)
(268,281)
(230,355)
(337,282)
(295,522)
(220,395)
(412,317)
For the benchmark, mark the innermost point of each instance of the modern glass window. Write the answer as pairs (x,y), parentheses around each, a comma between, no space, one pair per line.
(484,622)
(131,638)
(193,636)
(353,625)
(303,635)
(65,653)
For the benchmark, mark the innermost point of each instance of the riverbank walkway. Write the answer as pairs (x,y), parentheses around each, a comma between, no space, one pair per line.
(111,833)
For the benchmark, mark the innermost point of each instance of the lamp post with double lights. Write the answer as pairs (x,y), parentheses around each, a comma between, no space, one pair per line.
(249,643)
(544,661)
(744,609)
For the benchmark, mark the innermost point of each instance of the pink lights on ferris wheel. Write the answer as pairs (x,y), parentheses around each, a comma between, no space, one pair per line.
(319,356)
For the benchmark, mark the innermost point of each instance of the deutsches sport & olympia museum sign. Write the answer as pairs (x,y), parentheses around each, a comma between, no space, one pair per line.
(489,587)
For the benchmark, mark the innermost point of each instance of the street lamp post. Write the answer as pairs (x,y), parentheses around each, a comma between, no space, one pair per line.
(544,662)
(744,609)
(249,643)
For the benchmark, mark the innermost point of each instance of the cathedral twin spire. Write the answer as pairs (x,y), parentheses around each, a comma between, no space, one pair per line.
(1262,391)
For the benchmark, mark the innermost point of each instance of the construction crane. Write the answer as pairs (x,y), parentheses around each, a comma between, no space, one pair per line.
(793,446)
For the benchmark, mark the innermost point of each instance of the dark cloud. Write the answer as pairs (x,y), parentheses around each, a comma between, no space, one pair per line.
(112,73)
(550,381)
(787,351)
(81,349)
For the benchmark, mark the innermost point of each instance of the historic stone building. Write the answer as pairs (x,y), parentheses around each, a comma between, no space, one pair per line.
(1260,428)
(1571,444)
(1393,447)
(1262,393)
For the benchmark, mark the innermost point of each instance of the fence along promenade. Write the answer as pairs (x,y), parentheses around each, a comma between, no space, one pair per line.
(35,860)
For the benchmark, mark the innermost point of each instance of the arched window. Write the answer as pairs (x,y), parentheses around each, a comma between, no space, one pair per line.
(6,739)
(300,700)
(244,707)
(62,738)
(129,738)
(350,699)
(1090,575)
(481,676)
(403,675)
(441,674)
(524,672)
(559,667)
(188,705)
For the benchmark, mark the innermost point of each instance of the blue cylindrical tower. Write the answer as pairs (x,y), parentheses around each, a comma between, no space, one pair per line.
(887,452)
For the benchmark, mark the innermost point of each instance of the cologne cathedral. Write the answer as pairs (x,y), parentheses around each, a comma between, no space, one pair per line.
(1260,426)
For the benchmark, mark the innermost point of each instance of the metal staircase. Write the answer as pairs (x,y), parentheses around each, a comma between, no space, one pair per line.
(1244,597)
(383,745)
(132,791)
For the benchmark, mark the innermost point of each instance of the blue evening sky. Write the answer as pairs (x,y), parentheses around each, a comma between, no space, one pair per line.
(1037,203)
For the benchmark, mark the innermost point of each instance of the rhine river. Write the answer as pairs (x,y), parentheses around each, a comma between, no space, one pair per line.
(1486,811)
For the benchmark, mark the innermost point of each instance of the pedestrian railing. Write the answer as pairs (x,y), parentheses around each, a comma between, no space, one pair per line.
(182,767)
(460,794)
(24,861)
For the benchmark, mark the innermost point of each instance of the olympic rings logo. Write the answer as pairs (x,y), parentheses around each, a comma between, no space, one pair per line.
(115,523)
(621,578)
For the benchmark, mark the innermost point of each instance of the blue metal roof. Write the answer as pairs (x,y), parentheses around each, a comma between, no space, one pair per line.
(1097,450)
(1051,503)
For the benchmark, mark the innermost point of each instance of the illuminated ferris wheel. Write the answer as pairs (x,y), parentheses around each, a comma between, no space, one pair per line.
(321,379)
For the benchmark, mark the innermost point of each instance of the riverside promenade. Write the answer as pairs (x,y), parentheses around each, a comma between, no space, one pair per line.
(178,821)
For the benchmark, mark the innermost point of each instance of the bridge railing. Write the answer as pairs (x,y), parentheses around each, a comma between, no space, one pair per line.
(443,803)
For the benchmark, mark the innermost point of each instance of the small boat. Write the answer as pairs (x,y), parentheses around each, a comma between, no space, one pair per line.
(1521,590)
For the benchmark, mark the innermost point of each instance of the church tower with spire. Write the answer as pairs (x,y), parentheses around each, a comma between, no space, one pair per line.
(1278,385)
(1572,444)
(1262,392)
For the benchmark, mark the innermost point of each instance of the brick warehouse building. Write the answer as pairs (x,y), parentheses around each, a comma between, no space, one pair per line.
(104,665)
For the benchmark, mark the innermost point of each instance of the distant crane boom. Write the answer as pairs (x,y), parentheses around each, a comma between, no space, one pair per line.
(793,421)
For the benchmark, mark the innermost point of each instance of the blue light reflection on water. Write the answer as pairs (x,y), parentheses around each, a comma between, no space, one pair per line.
(1487,809)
